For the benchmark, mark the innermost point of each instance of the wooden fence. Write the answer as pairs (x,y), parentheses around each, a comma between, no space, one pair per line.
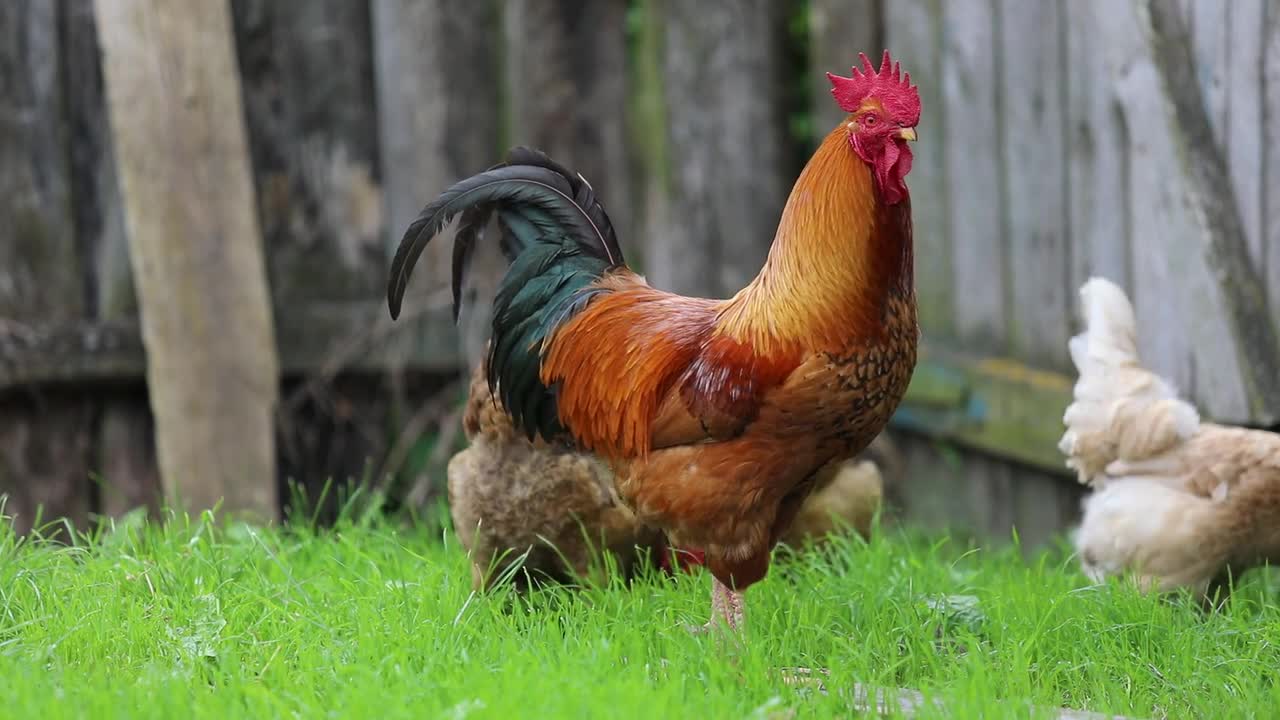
(1059,139)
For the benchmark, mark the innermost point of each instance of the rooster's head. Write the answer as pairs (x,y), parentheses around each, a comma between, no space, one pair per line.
(884,108)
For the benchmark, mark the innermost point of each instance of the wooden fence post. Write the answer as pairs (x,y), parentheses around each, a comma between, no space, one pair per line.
(175,109)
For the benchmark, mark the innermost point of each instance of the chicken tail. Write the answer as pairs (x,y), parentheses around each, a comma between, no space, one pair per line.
(558,240)
(1121,411)
(534,198)
(1165,537)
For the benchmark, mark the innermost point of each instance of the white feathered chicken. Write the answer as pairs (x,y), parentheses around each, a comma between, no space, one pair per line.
(1178,502)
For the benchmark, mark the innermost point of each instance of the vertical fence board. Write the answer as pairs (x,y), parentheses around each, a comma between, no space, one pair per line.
(1044,505)
(566,86)
(438,93)
(972,140)
(440,110)
(1245,125)
(838,31)
(124,458)
(914,32)
(309,104)
(176,116)
(1098,139)
(1271,152)
(726,144)
(1160,250)
(1210,41)
(1182,333)
(307,69)
(1035,175)
(947,487)
(1224,248)
(43,435)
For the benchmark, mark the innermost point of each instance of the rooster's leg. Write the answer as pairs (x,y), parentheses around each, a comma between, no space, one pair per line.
(727,608)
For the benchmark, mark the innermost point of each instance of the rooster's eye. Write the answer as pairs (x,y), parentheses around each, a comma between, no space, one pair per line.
(869,120)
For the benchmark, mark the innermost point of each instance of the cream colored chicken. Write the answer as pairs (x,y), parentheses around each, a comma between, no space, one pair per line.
(1177,502)
(509,496)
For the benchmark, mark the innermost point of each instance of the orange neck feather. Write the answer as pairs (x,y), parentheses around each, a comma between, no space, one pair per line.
(838,253)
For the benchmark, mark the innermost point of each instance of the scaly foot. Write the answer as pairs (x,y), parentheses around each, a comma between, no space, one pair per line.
(727,610)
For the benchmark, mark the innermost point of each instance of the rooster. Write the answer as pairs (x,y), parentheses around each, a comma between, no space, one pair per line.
(1179,503)
(555,510)
(715,415)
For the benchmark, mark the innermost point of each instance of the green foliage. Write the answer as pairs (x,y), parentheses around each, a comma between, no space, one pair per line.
(192,619)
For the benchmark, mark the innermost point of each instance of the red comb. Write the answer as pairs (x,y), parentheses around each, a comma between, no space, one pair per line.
(889,84)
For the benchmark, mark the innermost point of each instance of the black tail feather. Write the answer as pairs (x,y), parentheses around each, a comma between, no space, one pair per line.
(470,230)
(534,195)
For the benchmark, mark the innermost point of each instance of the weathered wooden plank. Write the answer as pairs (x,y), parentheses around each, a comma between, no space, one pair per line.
(102,245)
(43,448)
(439,110)
(310,113)
(314,339)
(195,246)
(70,352)
(566,82)
(1246,124)
(972,140)
(1097,147)
(44,456)
(1161,259)
(1271,153)
(128,475)
(838,31)
(994,404)
(914,32)
(307,68)
(1210,41)
(1181,332)
(124,459)
(1220,248)
(931,485)
(566,85)
(1000,405)
(40,277)
(332,438)
(647,123)
(726,144)
(1227,42)
(987,486)
(1045,506)
(438,94)
(1034,167)
(948,487)
(427,343)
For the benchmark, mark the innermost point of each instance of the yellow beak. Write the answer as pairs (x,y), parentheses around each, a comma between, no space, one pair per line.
(908,134)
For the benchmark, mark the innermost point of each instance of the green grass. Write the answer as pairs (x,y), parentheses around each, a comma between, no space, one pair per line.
(372,619)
